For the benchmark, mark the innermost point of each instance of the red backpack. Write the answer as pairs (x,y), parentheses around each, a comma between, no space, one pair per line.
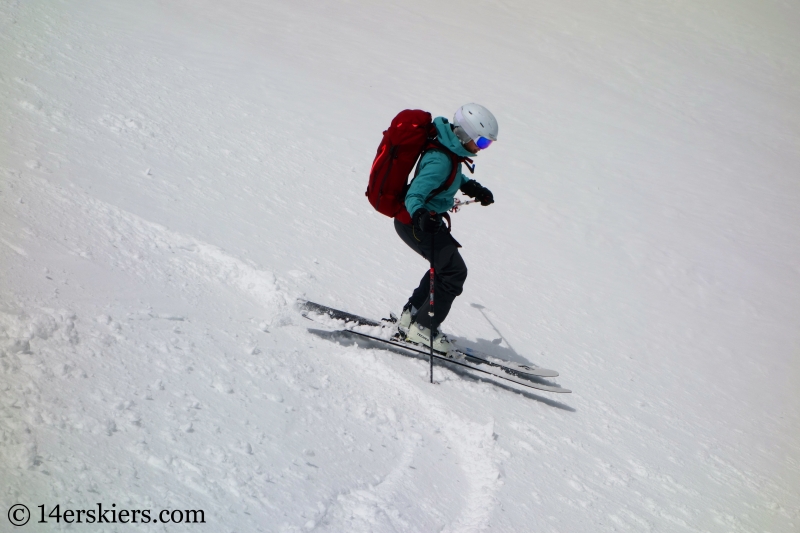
(411,134)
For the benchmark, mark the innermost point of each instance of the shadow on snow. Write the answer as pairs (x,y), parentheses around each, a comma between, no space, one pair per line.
(345,338)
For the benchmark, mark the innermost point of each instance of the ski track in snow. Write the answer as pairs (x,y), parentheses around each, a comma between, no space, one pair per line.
(93,231)
(368,508)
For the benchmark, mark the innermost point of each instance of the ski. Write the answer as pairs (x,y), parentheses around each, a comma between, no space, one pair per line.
(480,367)
(507,366)
(463,357)
(336,314)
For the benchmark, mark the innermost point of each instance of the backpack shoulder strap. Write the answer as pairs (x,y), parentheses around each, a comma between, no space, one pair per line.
(455,162)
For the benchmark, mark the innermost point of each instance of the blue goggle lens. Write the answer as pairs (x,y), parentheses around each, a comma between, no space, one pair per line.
(483,143)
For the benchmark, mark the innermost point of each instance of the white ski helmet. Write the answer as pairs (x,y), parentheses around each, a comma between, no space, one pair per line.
(473,121)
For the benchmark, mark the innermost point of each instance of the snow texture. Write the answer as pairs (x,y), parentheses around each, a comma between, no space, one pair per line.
(174,175)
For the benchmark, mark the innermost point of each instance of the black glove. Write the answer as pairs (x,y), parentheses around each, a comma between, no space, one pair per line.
(426,222)
(479,192)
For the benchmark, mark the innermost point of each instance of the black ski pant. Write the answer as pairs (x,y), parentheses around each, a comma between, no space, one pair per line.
(450,272)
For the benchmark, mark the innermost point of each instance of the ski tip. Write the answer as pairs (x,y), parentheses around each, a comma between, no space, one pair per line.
(545,372)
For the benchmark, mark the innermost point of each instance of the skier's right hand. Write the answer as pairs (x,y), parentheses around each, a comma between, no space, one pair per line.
(426,221)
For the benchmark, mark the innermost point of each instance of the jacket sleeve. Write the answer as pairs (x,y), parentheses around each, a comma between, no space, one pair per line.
(434,168)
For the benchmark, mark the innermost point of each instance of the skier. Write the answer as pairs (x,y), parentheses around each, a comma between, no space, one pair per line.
(473,129)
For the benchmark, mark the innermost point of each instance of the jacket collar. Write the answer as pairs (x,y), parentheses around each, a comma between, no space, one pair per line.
(449,139)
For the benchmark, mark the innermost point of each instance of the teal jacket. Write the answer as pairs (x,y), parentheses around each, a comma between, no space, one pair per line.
(433,170)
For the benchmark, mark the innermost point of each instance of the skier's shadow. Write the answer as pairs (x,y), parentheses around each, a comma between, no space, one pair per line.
(493,347)
(345,338)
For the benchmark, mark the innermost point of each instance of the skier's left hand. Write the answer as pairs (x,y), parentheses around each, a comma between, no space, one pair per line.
(479,192)
(485,197)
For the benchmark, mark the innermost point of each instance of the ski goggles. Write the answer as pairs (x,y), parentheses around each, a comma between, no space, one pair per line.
(483,143)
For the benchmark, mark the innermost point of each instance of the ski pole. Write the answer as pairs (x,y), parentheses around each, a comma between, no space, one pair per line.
(430,304)
(458,204)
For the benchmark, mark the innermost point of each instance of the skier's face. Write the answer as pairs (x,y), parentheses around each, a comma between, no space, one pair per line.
(472,147)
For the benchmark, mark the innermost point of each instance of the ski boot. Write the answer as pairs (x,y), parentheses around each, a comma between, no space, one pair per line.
(422,336)
(405,319)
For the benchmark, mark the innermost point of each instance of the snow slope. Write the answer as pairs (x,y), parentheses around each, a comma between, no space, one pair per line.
(175,175)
